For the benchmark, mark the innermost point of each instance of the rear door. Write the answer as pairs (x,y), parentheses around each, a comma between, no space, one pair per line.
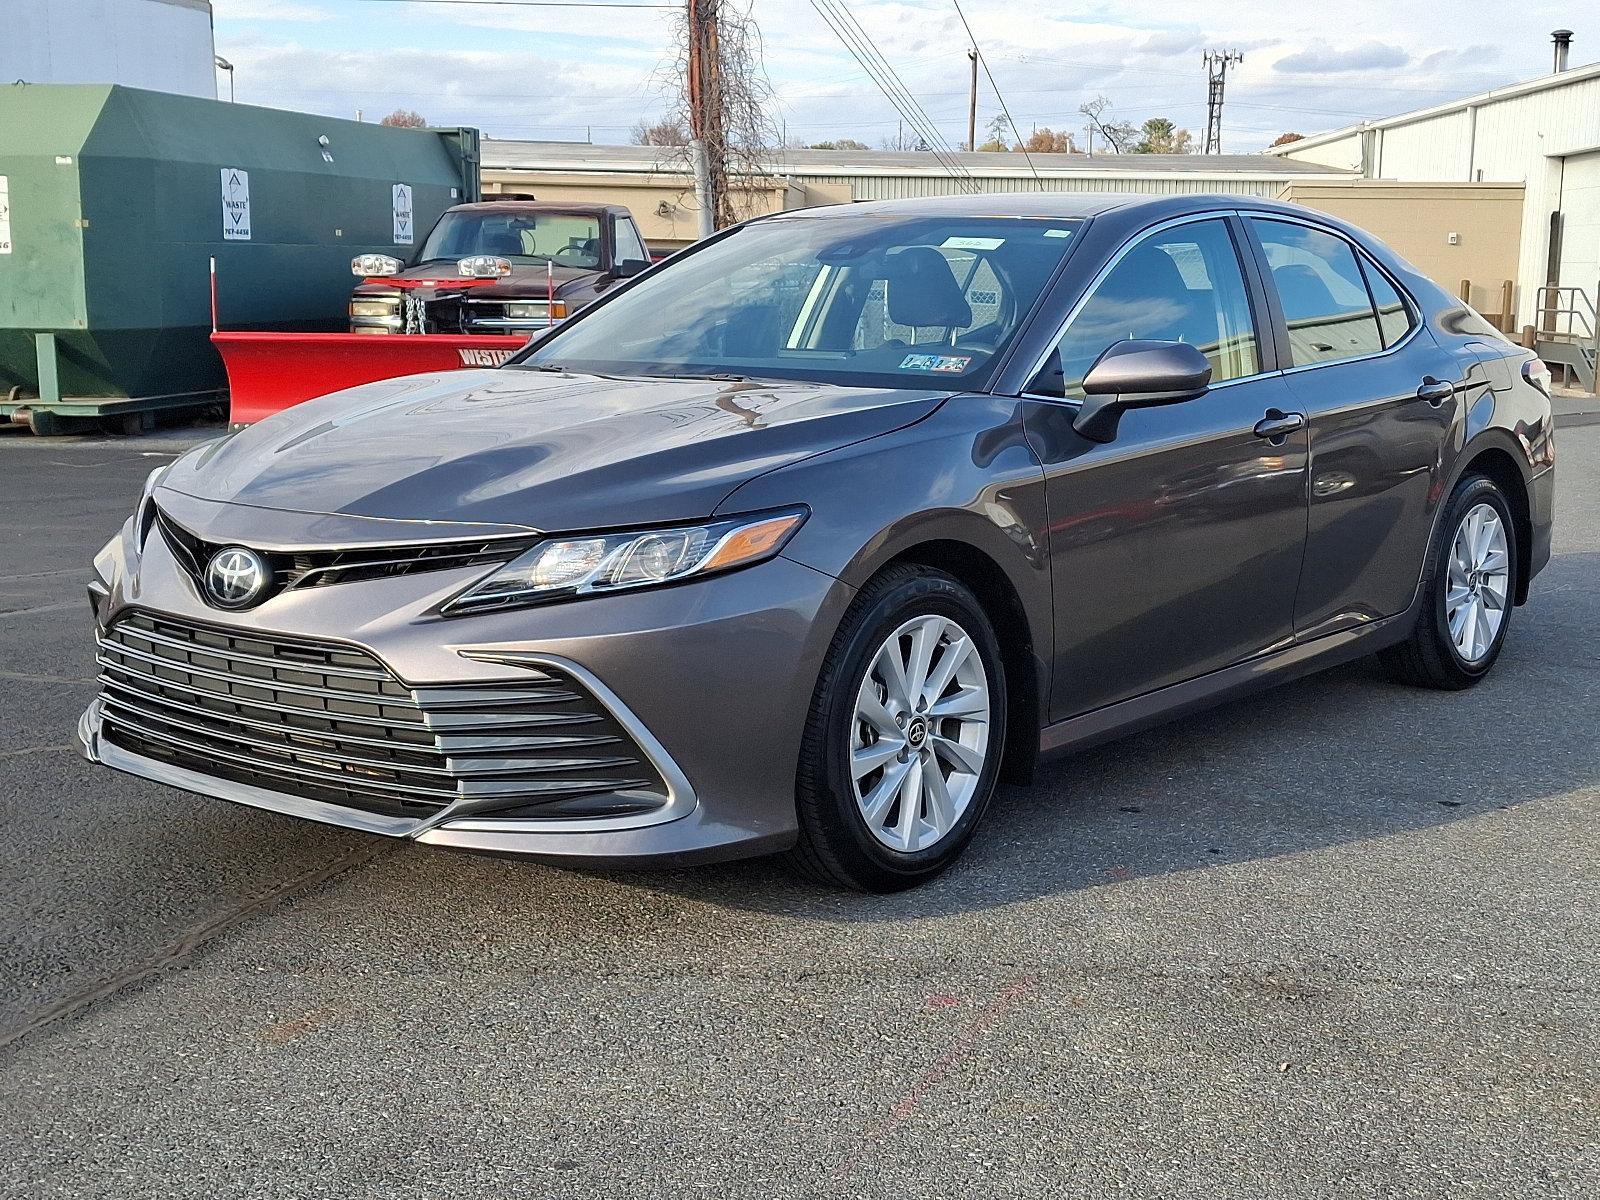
(1382,397)
(1175,548)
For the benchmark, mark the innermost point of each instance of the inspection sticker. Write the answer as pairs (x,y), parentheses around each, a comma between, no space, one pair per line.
(5,215)
(971,243)
(950,364)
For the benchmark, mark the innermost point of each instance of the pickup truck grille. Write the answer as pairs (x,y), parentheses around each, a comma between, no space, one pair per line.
(332,723)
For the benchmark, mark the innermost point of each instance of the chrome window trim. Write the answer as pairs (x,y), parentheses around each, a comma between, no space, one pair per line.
(1216,214)
(1362,255)
(1413,309)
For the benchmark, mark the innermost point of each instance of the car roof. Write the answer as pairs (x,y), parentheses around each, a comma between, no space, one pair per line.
(1058,205)
(577,207)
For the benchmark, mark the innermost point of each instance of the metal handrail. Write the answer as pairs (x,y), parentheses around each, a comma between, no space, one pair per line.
(1550,302)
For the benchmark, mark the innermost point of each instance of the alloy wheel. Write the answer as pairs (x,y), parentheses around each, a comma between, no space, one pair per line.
(920,733)
(1479,579)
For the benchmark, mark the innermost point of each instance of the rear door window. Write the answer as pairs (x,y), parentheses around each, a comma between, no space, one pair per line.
(1323,293)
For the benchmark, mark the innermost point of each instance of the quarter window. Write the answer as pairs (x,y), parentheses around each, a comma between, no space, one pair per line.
(1324,296)
(1394,317)
(1182,284)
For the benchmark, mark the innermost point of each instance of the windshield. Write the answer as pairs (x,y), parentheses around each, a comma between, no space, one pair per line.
(566,239)
(866,301)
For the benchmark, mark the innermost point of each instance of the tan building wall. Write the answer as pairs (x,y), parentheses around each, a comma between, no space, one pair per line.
(663,204)
(1418,219)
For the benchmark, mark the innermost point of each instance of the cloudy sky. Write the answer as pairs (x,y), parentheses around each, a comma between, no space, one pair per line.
(567,73)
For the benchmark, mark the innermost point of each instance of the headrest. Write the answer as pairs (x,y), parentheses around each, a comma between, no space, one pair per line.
(1303,292)
(923,292)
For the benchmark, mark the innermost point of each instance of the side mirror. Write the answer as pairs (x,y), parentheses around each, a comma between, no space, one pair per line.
(628,268)
(1138,375)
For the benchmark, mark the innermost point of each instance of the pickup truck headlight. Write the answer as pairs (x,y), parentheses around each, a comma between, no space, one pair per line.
(563,568)
(537,310)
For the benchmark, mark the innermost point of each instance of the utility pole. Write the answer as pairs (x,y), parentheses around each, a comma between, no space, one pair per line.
(1217,64)
(706,133)
(972,102)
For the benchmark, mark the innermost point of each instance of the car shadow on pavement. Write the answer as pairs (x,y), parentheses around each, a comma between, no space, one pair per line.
(1333,759)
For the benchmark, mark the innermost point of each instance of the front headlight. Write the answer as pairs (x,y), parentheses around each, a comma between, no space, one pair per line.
(562,568)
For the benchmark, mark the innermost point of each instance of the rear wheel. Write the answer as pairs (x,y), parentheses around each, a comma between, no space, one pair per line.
(902,747)
(1470,588)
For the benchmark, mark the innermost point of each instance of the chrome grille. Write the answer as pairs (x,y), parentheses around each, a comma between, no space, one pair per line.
(332,723)
(319,568)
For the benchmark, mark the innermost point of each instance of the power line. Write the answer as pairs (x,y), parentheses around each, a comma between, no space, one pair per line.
(871,60)
(984,63)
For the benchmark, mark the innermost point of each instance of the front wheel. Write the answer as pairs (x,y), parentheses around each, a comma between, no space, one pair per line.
(1469,588)
(901,752)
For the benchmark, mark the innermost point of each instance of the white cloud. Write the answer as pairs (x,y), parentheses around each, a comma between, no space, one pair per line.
(548,72)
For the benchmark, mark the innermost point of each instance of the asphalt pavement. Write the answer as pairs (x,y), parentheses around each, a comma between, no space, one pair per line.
(1337,940)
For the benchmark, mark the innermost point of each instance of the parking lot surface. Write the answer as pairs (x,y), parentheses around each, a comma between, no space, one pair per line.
(1336,940)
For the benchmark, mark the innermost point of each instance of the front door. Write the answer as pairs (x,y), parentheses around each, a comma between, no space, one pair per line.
(1176,548)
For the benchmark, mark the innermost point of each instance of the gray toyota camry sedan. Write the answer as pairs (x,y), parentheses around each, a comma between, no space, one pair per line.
(804,539)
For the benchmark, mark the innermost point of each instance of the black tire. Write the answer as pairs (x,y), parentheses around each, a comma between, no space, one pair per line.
(1429,657)
(836,846)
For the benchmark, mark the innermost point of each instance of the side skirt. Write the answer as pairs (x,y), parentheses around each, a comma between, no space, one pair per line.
(1257,674)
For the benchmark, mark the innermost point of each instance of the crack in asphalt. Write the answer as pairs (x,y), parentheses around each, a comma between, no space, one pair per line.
(181,948)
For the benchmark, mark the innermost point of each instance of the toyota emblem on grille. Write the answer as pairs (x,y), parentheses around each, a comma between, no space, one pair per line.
(236,577)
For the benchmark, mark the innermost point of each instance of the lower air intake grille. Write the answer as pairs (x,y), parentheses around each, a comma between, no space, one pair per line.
(332,723)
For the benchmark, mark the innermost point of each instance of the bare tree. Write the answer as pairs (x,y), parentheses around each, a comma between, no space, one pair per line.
(839,144)
(404,118)
(719,38)
(1119,135)
(660,133)
(1283,139)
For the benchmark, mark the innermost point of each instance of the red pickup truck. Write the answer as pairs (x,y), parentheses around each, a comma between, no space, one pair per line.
(508,267)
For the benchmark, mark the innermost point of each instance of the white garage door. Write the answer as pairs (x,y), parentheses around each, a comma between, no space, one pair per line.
(1580,226)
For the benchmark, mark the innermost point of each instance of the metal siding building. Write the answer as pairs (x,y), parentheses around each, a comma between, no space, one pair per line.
(162,45)
(1543,133)
(655,183)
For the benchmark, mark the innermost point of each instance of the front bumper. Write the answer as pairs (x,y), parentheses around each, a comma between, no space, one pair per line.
(713,679)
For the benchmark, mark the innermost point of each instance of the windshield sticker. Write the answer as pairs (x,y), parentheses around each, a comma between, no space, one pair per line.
(949,364)
(971,243)
(1058,233)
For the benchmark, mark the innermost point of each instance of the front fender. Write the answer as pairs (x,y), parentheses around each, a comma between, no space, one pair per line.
(964,475)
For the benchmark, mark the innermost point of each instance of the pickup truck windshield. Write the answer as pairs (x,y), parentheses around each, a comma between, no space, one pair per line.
(864,301)
(566,239)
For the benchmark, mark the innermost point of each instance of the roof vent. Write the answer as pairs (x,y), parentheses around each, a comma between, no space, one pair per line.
(1563,43)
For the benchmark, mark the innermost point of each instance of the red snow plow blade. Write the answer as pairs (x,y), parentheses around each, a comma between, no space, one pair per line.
(268,372)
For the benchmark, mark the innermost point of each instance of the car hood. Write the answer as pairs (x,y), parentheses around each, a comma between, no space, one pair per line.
(533,449)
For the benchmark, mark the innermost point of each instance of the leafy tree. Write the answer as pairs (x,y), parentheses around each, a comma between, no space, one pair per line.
(1285,138)
(666,132)
(404,118)
(1159,135)
(1047,141)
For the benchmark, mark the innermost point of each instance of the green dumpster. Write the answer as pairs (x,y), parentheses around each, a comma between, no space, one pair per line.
(114,201)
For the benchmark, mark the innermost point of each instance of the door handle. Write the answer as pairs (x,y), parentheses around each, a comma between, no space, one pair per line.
(1278,425)
(1435,391)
